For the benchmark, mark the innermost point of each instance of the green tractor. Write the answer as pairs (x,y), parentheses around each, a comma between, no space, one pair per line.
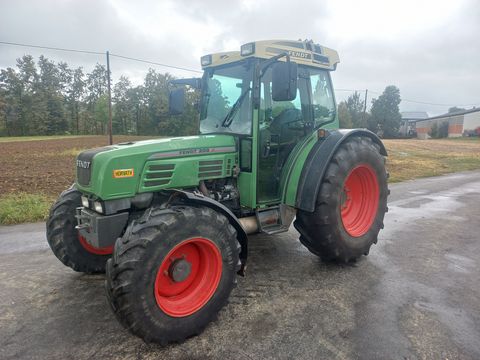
(168,219)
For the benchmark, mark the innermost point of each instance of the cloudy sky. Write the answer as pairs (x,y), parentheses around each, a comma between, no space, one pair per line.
(429,49)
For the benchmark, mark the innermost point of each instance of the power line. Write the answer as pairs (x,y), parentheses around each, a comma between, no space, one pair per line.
(53,48)
(407,100)
(98,53)
(154,63)
(427,103)
(350,90)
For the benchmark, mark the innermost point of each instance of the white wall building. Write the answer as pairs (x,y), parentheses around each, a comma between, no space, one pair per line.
(465,123)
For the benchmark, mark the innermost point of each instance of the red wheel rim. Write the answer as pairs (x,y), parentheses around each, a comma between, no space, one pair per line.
(360,200)
(94,250)
(180,293)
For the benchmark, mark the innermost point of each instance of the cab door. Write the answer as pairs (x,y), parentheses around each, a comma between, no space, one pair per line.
(282,124)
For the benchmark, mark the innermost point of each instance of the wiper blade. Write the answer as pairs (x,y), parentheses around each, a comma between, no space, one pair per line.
(236,106)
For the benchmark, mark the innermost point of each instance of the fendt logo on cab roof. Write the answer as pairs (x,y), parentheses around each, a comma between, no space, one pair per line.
(299,54)
(83,164)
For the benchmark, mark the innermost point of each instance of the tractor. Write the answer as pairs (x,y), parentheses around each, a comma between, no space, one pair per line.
(168,219)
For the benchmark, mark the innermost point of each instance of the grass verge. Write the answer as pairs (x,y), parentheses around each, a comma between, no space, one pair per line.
(22,208)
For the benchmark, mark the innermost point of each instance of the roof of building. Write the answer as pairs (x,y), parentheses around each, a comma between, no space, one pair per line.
(302,52)
(448,115)
(414,115)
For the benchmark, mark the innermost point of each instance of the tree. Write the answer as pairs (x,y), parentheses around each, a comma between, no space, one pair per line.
(455,109)
(101,110)
(74,96)
(122,117)
(12,87)
(385,119)
(96,86)
(356,107)
(49,90)
(344,116)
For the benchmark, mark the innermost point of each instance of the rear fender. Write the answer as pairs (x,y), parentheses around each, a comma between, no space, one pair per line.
(317,162)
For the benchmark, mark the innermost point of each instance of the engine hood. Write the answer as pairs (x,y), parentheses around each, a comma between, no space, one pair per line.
(125,169)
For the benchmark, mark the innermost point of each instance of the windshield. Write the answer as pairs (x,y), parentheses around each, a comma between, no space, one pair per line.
(226,100)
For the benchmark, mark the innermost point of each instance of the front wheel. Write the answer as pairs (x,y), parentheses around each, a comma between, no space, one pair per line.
(172,272)
(350,206)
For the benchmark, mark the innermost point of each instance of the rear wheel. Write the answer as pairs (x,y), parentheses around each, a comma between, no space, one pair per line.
(350,206)
(65,241)
(172,272)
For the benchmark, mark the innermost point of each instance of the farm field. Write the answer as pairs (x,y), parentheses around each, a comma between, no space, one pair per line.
(34,171)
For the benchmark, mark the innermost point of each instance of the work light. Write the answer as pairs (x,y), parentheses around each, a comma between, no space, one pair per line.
(247,49)
(206,60)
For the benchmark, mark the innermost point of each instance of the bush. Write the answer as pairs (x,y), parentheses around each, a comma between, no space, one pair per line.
(439,131)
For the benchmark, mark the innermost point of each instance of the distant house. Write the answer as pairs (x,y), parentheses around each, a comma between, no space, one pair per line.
(464,123)
(409,119)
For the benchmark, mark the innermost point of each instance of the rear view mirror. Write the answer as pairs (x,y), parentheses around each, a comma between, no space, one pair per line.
(176,103)
(284,81)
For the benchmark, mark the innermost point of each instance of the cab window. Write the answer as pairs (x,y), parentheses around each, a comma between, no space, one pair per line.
(323,103)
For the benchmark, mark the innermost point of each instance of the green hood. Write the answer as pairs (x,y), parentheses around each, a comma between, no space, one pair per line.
(125,169)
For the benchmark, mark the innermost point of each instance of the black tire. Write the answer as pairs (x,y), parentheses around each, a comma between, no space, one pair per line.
(138,256)
(323,232)
(63,237)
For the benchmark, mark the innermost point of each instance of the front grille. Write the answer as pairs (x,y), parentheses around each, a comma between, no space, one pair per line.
(85,163)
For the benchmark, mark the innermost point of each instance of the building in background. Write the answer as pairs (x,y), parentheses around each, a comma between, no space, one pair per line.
(409,119)
(464,123)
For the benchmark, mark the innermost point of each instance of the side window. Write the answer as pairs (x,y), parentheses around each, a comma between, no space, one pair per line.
(278,116)
(322,97)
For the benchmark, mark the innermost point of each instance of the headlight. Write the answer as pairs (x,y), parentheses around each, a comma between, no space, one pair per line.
(247,49)
(85,203)
(98,207)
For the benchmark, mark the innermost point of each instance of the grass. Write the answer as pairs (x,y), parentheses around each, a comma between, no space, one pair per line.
(412,159)
(23,207)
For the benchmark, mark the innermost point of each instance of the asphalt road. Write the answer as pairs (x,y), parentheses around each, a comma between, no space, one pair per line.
(415,296)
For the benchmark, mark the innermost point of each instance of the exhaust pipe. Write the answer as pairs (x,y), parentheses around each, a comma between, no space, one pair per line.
(249,224)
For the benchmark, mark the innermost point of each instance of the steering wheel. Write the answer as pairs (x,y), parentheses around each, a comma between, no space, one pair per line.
(286,116)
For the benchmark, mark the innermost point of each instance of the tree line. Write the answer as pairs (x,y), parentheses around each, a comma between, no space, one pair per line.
(48,98)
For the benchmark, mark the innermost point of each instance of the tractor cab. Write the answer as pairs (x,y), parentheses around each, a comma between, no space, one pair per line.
(272,96)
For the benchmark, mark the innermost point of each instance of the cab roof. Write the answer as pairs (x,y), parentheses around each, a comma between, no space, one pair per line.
(304,52)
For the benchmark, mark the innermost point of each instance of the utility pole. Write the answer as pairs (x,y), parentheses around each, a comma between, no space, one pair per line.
(109,101)
(365,108)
